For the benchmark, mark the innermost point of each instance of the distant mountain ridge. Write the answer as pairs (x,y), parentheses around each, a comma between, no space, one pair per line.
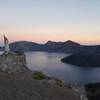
(51,46)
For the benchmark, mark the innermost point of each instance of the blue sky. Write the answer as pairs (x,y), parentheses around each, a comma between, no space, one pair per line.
(42,20)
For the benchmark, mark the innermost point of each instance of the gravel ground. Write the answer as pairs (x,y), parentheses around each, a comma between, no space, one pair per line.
(23,87)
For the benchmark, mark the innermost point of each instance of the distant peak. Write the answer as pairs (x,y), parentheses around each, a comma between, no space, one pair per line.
(71,42)
(49,42)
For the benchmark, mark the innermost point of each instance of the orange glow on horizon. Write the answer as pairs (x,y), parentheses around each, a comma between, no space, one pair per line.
(61,37)
(42,35)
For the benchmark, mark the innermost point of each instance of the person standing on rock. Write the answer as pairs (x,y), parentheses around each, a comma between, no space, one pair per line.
(6,45)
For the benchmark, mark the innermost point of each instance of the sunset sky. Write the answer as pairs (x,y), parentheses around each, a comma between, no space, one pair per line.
(56,20)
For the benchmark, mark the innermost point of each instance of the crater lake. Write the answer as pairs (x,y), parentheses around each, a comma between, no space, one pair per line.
(51,65)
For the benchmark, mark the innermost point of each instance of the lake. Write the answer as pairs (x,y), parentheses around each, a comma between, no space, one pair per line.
(50,64)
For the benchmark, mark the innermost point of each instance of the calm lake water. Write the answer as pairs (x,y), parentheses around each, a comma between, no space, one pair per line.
(50,64)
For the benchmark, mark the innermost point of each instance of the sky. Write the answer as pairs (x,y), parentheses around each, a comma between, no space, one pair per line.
(56,20)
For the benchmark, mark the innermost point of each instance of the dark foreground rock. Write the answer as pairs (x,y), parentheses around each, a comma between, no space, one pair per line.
(22,86)
(93,91)
(83,59)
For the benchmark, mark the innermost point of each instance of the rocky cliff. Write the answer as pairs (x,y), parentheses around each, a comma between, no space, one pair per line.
(13,62)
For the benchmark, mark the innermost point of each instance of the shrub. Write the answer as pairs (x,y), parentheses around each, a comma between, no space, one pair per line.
(38,76)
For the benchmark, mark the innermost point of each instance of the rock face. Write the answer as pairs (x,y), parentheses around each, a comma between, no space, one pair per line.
(13,62)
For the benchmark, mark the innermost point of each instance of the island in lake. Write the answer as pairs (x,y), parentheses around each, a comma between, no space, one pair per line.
(83,59)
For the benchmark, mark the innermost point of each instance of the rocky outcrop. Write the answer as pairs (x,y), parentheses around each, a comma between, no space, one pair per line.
(13,62)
